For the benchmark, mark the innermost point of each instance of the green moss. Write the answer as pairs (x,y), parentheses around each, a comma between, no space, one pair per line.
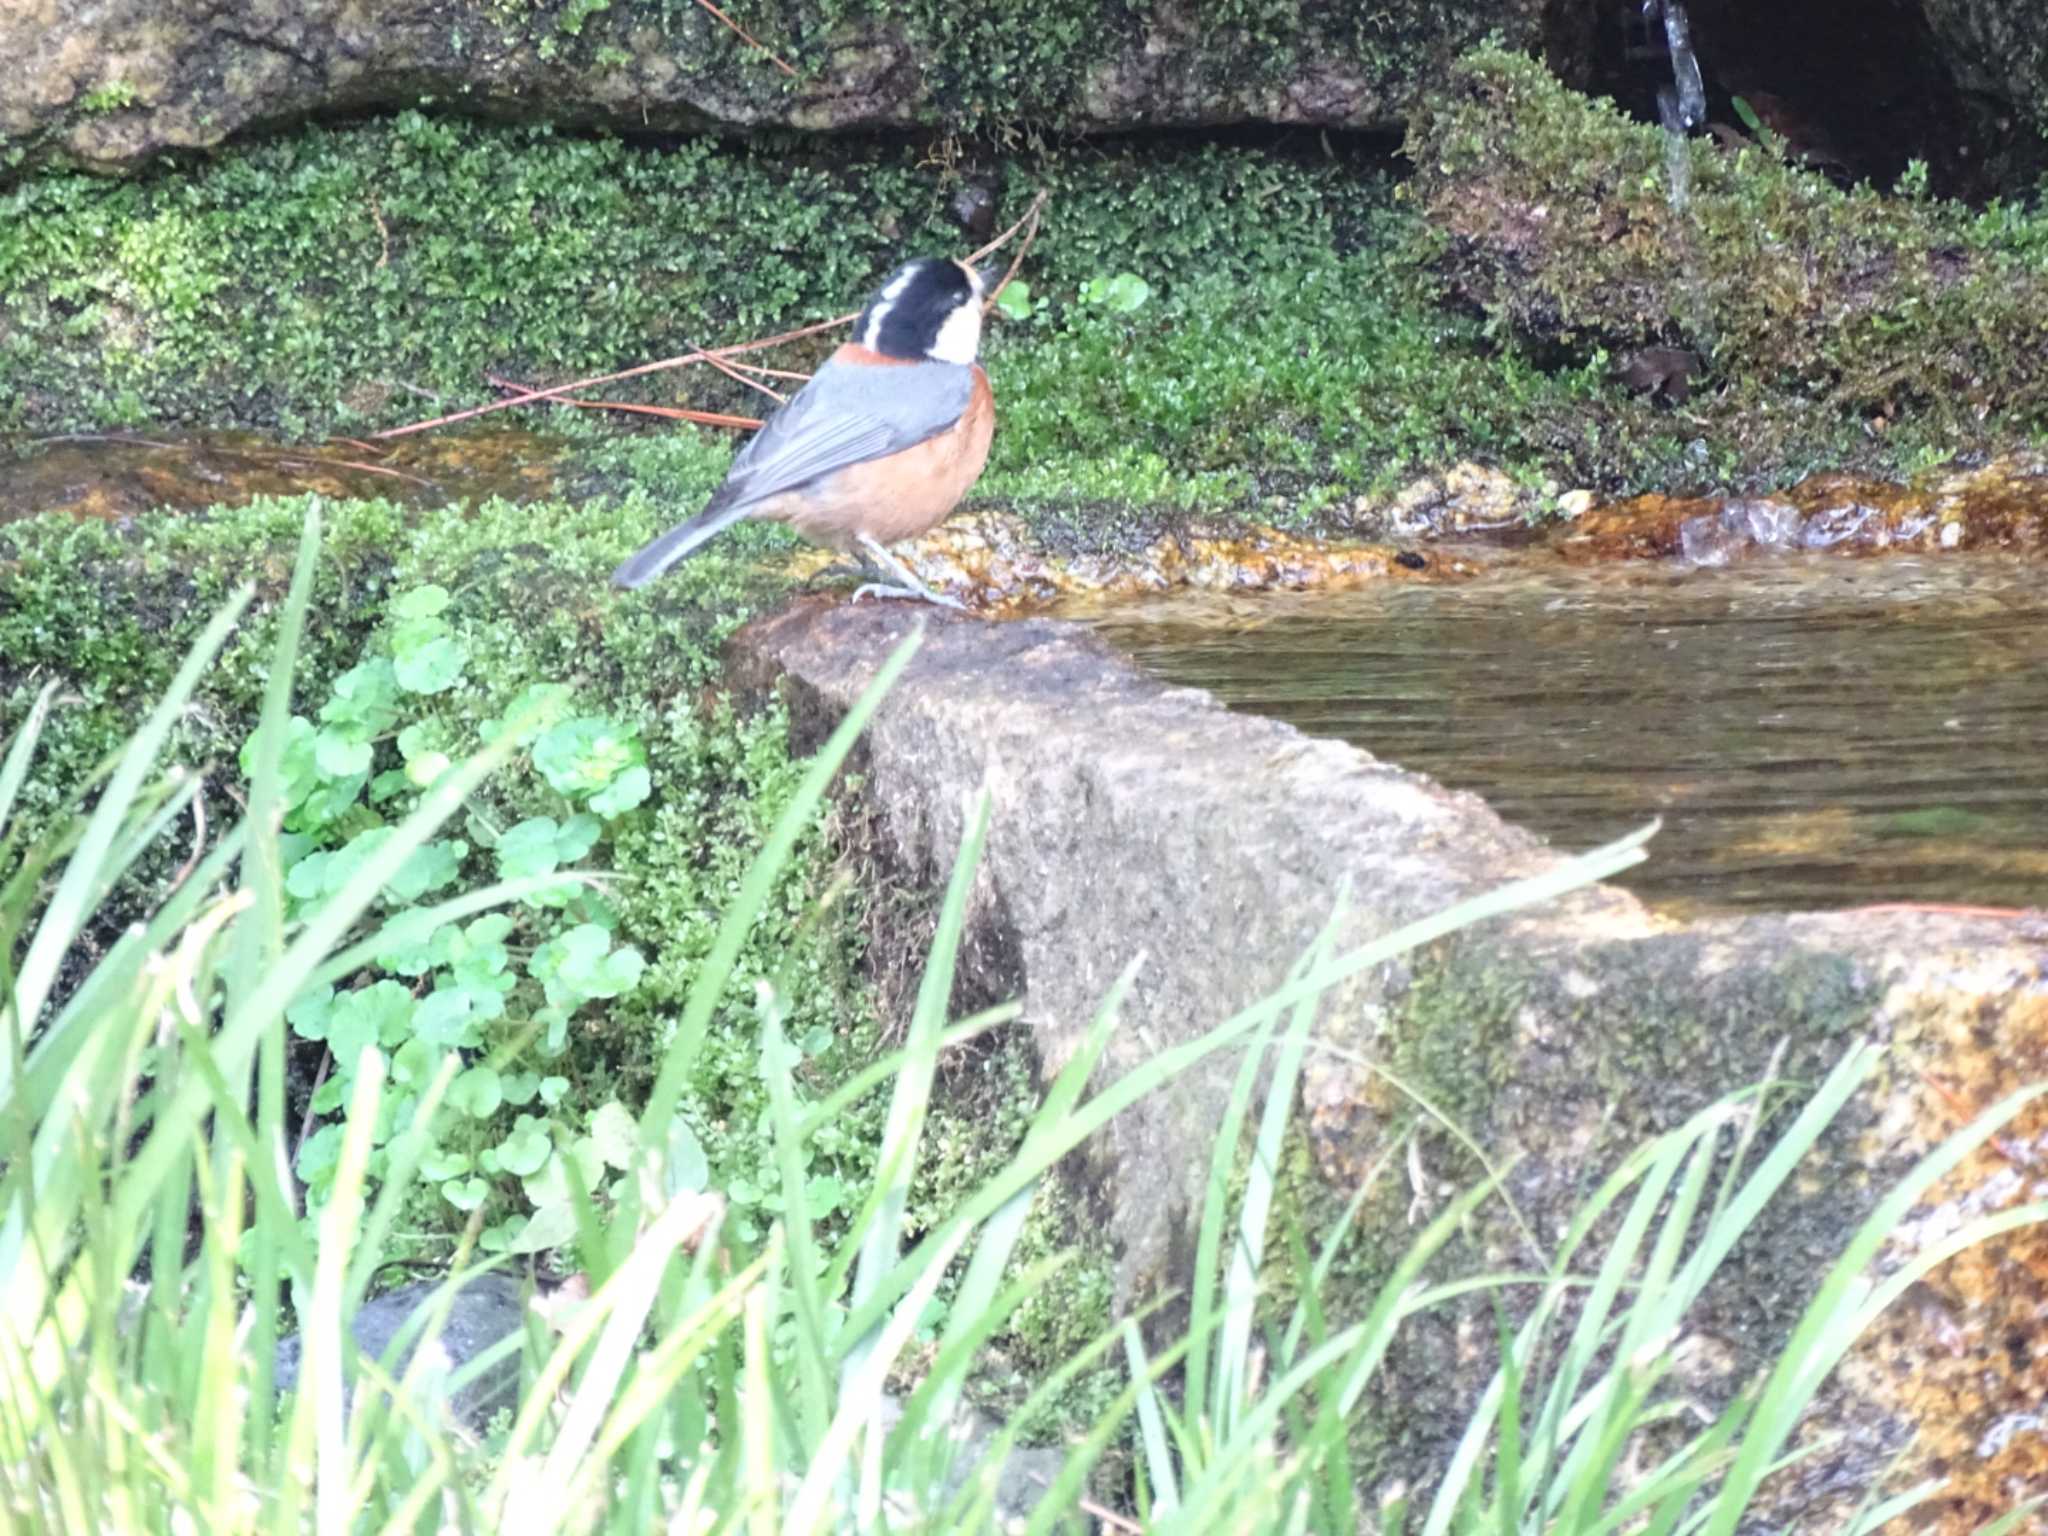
(347,279)
(1310,336)
(1839,327)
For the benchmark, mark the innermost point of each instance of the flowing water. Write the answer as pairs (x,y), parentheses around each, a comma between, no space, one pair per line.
(1815,732)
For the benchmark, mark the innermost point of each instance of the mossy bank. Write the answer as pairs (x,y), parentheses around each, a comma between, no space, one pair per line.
(1305,332)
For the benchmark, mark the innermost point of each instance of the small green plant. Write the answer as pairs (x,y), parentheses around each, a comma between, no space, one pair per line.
(1015,303)
(1123,294)
(574,14)
(498,993)
(110,97)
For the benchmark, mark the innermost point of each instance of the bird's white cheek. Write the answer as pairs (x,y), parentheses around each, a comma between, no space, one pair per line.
(959,336)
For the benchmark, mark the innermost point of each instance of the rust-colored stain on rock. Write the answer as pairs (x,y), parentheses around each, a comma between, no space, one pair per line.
(2001,506)
(1963,1357)
(995,564)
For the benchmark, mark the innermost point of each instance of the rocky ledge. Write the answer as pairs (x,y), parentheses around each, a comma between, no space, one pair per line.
(1131,818)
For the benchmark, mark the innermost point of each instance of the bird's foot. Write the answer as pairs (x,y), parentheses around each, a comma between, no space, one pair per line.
(905,581)
(919,593)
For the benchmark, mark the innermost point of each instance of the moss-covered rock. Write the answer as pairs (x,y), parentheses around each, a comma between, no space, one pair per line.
(1551,1043)
(1822,315)
(110,86)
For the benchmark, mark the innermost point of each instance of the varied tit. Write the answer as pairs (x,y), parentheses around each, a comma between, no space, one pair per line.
(879,446)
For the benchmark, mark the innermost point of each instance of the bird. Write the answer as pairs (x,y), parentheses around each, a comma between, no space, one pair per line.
(879,446)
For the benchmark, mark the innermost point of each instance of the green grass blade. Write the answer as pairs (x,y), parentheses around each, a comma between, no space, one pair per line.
(1158,1461)
(747,903)
(1214,1230)
(878,1229)
(811,1292)
(20,749)
(86,872)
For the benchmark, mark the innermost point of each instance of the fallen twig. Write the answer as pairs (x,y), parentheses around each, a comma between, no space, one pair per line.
(556,391)
(748,37)
(713,355)
(1030,217)
(670,412)
(740,378)
(368,469)
(198,836)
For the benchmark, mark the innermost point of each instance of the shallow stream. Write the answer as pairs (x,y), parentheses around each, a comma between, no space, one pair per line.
(1815,732)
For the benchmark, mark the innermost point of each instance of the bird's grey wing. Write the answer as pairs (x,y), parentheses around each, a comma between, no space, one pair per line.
(847,414)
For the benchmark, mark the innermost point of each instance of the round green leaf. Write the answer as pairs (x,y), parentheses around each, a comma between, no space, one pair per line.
(526,1148)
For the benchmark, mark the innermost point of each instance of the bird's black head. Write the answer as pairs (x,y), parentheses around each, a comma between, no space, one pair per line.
(928,309)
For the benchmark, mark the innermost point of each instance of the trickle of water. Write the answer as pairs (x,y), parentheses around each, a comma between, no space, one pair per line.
(1677,158)
(1685,65)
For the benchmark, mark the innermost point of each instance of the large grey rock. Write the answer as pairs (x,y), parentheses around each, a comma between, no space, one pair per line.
(1133,818)
(112,83)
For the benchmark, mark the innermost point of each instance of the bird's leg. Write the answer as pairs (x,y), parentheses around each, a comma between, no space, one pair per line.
(907,584)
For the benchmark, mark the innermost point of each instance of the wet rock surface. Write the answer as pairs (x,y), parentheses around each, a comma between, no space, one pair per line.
(1131,817)
(2002,505)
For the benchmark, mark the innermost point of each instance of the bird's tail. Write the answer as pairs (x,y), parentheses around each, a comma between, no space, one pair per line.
(678,543)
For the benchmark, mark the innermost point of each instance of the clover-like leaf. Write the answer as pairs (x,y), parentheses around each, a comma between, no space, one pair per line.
(623,793)
(688,1170)
(476,1092)
(580,964)
(465,1194)
(529,848)
(580,757)
(551,1226)
(1014,302)
(1126,293)
(309,1012)
(438,1165)
(340,755)
(379,1014)
(522,1152)
(420,603)
(580,1161)
(319,1155)
(447,1016)
(409,943)
(415,1062)
(616,1134)
(365,696)
(433,667)
(430,867)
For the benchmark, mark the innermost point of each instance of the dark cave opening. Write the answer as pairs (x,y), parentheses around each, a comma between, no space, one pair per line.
(1857,89)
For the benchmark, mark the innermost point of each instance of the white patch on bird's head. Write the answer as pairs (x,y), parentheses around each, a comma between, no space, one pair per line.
(959,338)
(884,302)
